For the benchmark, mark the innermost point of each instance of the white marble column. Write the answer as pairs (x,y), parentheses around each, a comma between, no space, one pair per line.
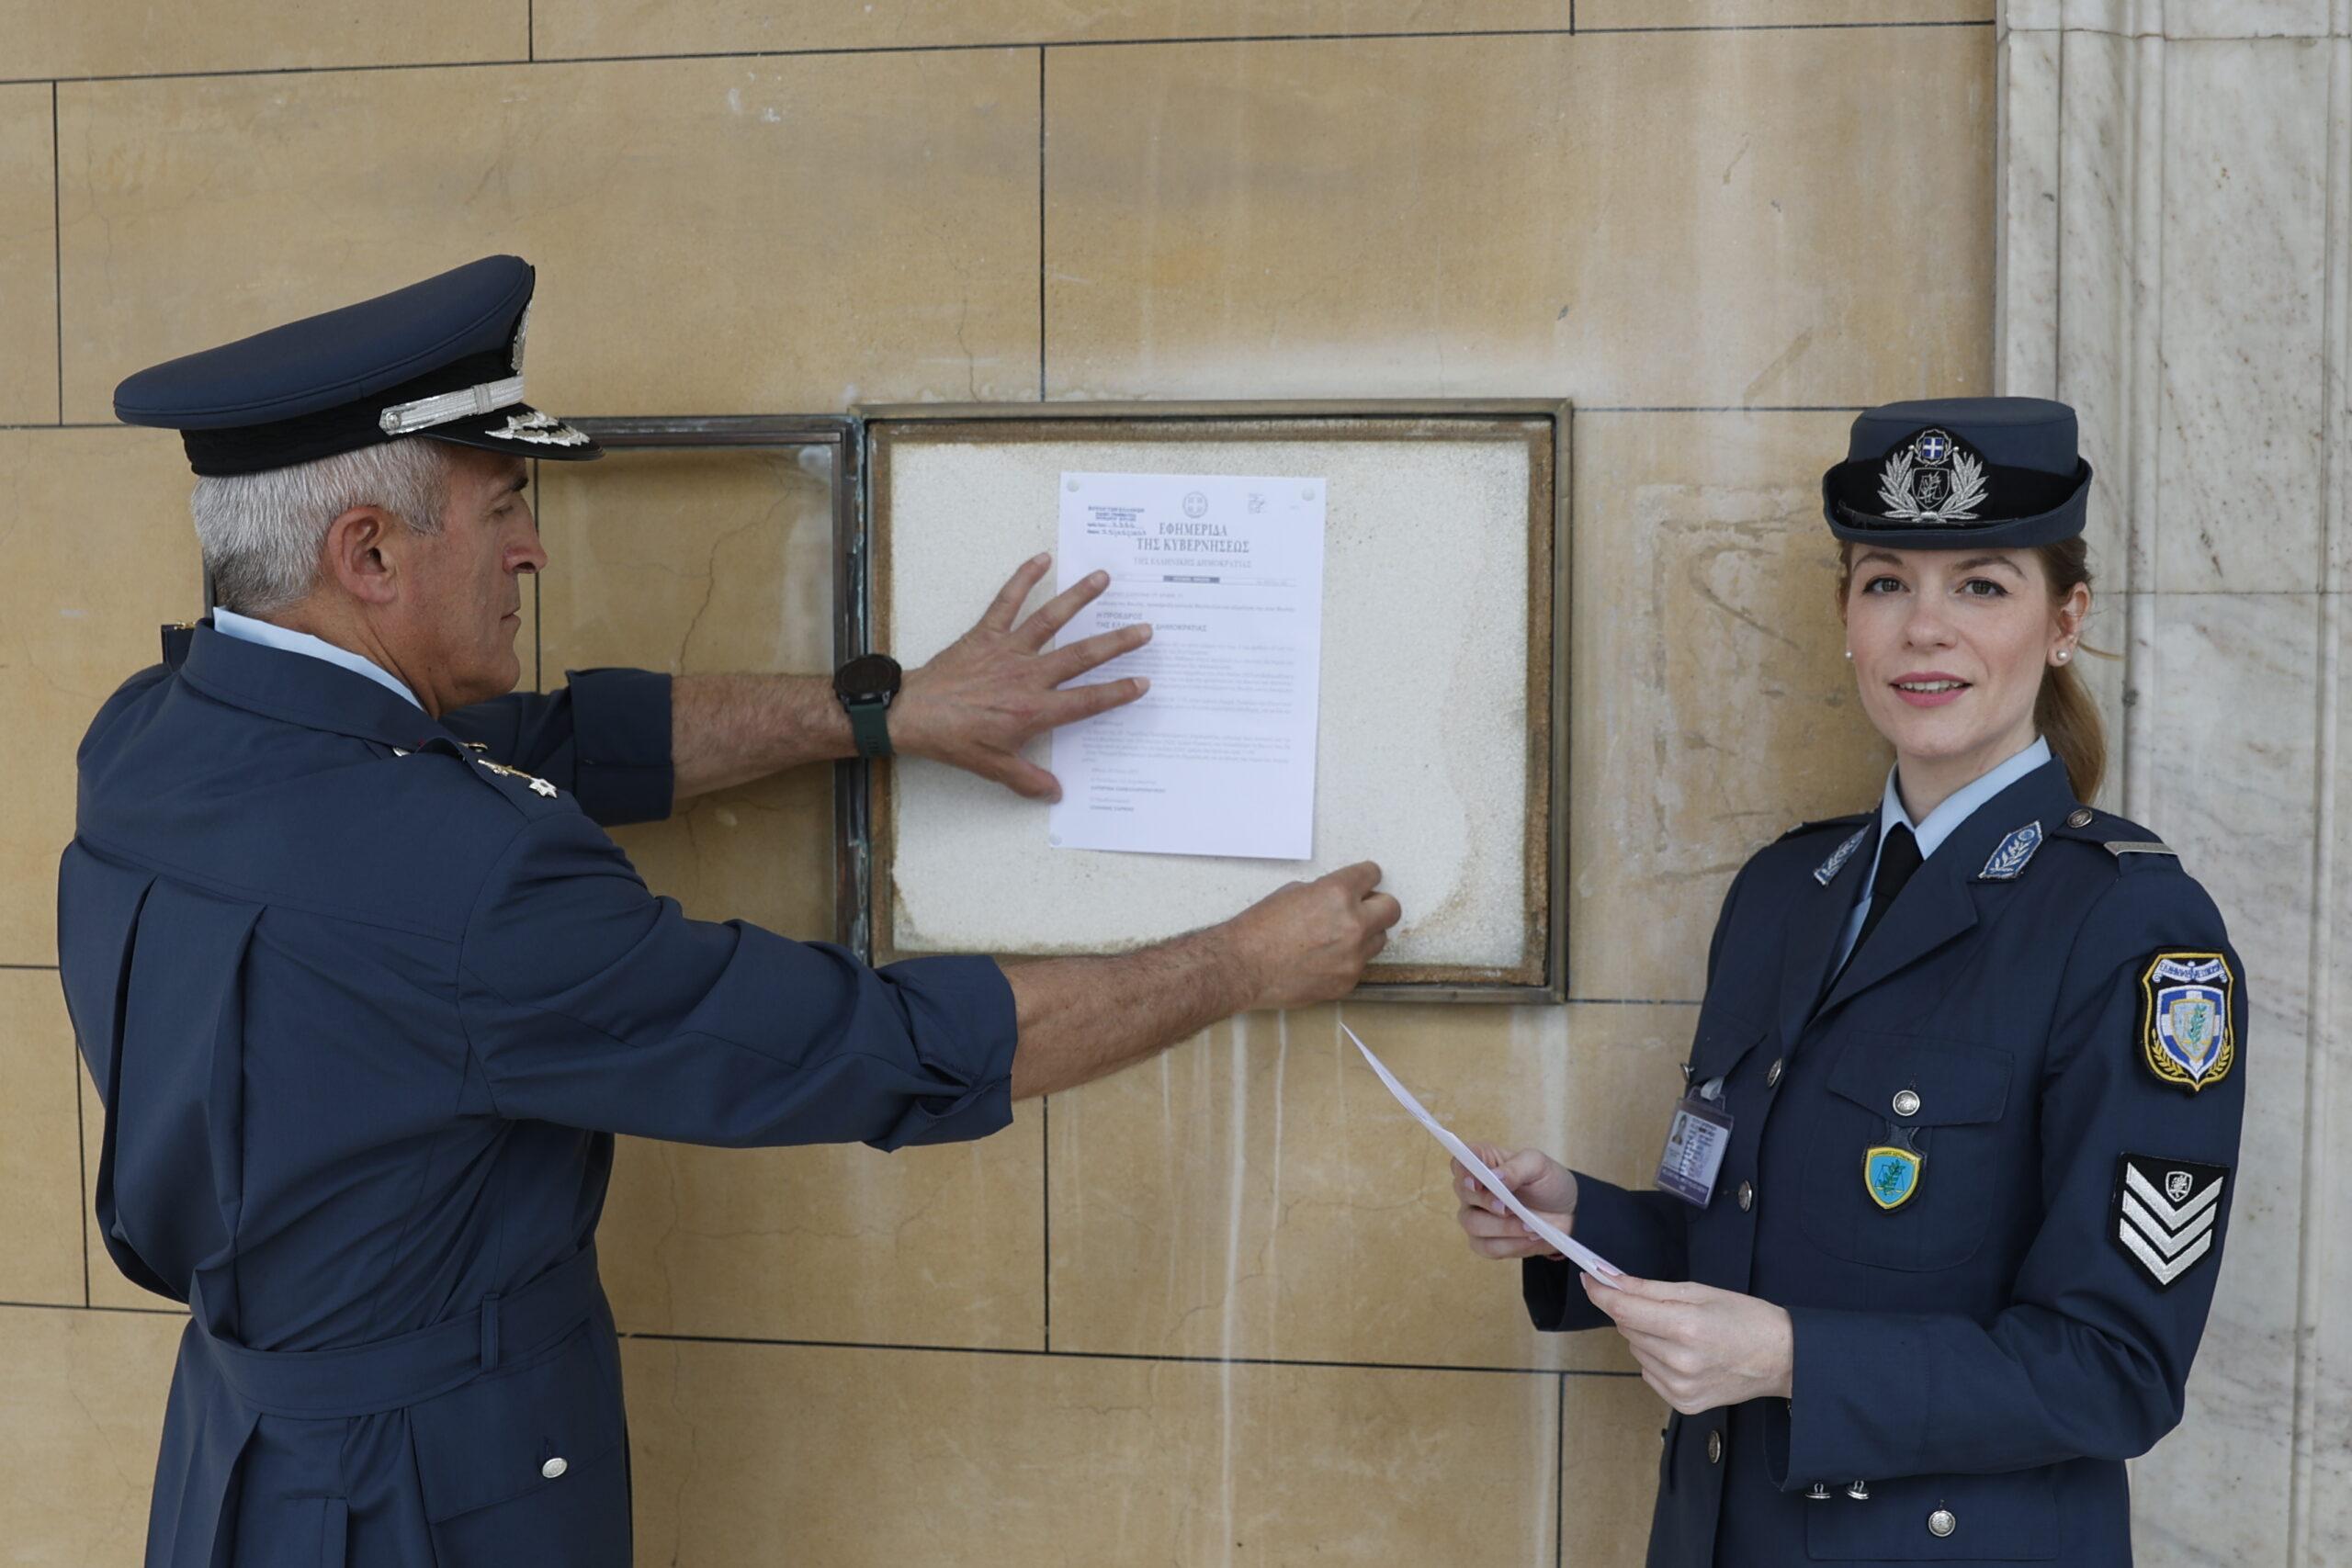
(2174,214)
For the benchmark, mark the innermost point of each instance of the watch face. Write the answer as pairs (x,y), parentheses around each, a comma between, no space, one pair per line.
(870,677)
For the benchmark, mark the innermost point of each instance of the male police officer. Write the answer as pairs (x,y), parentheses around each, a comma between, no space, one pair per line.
(366,989)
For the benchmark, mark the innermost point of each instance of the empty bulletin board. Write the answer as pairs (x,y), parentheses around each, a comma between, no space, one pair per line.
(1439,751)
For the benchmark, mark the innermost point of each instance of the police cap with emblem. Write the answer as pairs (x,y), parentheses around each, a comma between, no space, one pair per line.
(1960,473)
(442,358)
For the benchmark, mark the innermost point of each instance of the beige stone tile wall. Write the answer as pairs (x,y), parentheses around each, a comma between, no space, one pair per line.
(46,39)
(1213,1309)
(28,253)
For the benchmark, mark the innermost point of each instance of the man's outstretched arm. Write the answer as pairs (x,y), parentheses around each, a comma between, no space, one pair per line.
(973,706)
(1083,1018)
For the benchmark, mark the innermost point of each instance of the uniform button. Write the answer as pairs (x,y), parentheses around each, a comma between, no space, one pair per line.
(1819,1493)
(1906,1102)
(1859,1491)
(554,1467)
(2079,818)
(1747,1196)
(1714,1447)
(1772,1077)
(1941,1523)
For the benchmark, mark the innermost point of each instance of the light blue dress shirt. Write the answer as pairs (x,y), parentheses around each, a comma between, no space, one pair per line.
(1958,808)
(244,628)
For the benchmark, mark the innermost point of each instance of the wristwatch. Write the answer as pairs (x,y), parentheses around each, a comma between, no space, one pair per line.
(867,686)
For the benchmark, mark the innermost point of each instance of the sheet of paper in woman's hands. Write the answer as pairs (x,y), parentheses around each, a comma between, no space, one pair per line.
(1575,1251)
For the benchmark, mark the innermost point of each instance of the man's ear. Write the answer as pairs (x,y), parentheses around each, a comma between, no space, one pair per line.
(361,554)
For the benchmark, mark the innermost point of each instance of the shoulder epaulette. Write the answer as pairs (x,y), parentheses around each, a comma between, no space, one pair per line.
(2124,839)
(1856,819)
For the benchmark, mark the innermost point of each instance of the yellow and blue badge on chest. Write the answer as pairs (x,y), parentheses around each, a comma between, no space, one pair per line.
(1890,1173)
(2186,1036)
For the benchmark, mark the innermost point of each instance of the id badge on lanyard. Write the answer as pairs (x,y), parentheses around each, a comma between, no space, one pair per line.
(1695,1145)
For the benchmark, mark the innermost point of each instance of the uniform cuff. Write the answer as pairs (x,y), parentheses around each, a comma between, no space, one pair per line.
(961,1019)
(1614,1223)
(621,735)
(1843,1420)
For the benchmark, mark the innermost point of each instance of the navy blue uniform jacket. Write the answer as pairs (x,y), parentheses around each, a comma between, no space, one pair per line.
(366,996)
(1982,1358)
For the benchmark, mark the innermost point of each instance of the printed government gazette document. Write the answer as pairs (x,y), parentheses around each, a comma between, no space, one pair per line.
(1218,758)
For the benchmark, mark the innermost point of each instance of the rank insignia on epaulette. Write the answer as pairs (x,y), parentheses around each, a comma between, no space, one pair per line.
(2010,860)
(2185,1035)
(538,785)
(1826,872)
(1890,1175)
(2166,1214)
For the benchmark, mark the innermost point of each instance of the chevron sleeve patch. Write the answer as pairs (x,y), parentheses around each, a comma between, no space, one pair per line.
(2167,1211)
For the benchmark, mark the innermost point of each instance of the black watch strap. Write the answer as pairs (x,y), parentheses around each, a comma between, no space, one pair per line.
(869,725)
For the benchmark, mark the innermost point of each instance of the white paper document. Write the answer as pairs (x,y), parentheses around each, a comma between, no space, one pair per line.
(1575,1251)
(1218,758)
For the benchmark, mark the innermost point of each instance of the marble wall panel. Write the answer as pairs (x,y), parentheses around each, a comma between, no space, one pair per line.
(47,39)
(2232,684)
(703,245)
(566,29)
(1256,1192)
(40,1136)
(99,553)
(2325,1441)
(1211,210)
(2244,262)
(854,1457)
(2092,324)
(81,1413)
(2026,218)
(28,256)
(1705,594)
(2178,19)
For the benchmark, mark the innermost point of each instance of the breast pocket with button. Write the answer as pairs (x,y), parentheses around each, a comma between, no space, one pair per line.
(1942,1101)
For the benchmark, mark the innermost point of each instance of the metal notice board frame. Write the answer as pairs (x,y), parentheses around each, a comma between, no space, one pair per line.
(860,524)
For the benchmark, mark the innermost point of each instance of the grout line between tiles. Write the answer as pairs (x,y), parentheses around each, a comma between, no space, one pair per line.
(57,241)
(1560,1476)
(1430,35)
(1113,1356)
(95,1306)
(82,1167)
(1045,1142)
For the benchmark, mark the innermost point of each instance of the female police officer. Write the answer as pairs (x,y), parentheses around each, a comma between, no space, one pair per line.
(1940,1215)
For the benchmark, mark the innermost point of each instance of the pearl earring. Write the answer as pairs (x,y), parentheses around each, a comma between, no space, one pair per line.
(1849,653)
(2064,653)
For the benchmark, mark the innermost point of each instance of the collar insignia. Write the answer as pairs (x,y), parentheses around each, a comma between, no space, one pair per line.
(2009,860)
(1827,869)
(538,785)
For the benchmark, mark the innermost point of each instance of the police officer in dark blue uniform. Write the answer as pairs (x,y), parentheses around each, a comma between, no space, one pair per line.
(1936,1223)
(366,989)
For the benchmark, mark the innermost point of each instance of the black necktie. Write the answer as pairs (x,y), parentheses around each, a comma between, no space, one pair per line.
(1896,862)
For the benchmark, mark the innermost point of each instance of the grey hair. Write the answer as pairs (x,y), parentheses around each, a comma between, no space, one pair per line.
(262,533)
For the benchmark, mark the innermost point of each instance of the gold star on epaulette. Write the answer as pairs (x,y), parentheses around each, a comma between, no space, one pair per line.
(538,785)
